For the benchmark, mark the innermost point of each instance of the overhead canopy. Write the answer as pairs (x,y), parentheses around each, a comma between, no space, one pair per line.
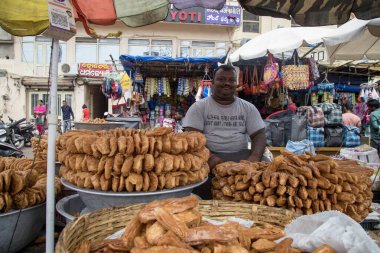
(156,65)
(355,40)
(278,41)
(27,18)
(312,12)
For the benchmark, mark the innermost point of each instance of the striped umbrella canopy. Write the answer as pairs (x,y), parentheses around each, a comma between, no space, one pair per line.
(314,12)
(27,18)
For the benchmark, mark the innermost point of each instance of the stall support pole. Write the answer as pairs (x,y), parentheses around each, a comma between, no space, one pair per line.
(52,121)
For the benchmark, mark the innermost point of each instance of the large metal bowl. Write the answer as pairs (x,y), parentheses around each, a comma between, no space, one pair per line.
(29,225)
(95,200)
(70,205)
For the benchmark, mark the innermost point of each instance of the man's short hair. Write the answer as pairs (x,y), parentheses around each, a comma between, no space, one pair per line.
(373,103)
(225,67)
(63,101)
(349,106)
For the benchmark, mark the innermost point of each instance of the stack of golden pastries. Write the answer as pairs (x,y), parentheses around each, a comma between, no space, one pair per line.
(96,120)
(41,149)
(176,226)
(22,183)
(305,184)
(133,160)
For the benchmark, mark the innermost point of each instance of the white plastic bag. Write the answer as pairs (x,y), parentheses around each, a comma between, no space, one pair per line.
(333,228)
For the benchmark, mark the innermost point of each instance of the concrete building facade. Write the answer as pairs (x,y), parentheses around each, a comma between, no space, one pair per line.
(24,62)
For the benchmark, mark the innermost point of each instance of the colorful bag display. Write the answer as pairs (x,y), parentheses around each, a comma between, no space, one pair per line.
(316,136)
(313,69)
(270,70)
(351,136)
(255,82)
(332,113)
(295,77)
(315,117)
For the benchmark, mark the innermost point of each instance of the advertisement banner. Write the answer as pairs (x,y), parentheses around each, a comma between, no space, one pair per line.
(229,15)
(94,70)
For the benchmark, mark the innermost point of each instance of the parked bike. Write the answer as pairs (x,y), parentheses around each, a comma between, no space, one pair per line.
(8,133)
(26,130)
(7,149)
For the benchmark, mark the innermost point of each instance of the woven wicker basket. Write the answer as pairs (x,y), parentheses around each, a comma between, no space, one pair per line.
(102,223)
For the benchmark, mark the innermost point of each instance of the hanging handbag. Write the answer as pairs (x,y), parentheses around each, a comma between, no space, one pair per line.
(313,69)
(255,82)
(270,70)
(295,77)
(246,88)
(138,78)
(263,87)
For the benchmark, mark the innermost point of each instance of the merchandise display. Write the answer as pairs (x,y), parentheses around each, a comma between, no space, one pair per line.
(23,183)
(133,161)
(176,225)
(96,120)
(305,184)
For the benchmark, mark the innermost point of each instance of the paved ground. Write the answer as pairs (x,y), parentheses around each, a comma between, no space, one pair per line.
(28,152)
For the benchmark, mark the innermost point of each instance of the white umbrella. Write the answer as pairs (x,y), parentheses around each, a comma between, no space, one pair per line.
(355,40)
(279,41)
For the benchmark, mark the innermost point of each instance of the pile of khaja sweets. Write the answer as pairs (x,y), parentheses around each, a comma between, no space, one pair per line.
(305,184)
(133,160)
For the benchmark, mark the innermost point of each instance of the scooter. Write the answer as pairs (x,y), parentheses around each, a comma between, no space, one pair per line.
(26,130)
(10,150)
(8,134)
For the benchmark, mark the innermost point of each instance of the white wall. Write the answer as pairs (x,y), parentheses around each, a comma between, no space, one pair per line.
(12,98)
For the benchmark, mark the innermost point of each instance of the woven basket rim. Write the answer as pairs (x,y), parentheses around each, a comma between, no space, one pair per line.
(214,209)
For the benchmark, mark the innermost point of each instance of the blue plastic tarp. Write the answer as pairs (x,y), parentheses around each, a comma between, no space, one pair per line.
(129,60)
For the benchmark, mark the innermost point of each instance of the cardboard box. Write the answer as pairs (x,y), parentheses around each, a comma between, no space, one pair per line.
(62,22)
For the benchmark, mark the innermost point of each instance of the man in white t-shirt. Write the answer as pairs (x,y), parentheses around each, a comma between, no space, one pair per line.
(227,121)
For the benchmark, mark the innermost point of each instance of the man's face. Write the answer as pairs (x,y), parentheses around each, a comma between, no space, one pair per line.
(224,83)
(64,103)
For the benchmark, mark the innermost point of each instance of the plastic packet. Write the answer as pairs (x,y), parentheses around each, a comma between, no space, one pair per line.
(333,228)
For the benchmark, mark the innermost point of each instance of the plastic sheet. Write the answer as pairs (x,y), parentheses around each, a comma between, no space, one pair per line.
(333,228)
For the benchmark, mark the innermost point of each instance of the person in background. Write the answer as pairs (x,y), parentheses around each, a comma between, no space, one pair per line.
(228,123)
(40,116)
(350,119)
(86,112)
(291,105)
(374,111)
(67,112)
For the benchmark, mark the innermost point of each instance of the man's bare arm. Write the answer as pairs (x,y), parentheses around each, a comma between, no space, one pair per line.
(258,143)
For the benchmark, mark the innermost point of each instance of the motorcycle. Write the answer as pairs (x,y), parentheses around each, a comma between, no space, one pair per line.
(8,133)
(26,130)
(10,150)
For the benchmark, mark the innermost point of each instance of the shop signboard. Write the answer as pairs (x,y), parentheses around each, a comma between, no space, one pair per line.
(228,15)
(94,70)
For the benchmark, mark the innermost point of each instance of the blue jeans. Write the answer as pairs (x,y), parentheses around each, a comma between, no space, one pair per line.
(66,125)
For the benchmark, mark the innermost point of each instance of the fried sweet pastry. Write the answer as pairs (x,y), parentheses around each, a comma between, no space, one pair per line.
(130,146)
(132,230)
(191,218)
(159,131)
(134,182)
(113,146)
(122,144)
(152,142)
(148,162)
(102,165)
(211,233)
(154,233)
(324,249)
(146,182)
(95,152)
(171,239)
(170,222)
(171,205)
(137,142)
(153,181)
(138,164)
(108,167)
(118,163)
(92,163)
(166,144)
(127,166)
(158,147)
(103,145)
(162,249)
(144,144)
(84,247)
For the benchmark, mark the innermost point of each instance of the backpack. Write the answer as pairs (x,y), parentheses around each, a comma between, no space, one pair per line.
(333,136)
(351,136)
(315,117)
(333,114)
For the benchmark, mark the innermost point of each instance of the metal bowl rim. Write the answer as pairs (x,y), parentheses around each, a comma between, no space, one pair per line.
(60,209)
(21,210)
(131,194)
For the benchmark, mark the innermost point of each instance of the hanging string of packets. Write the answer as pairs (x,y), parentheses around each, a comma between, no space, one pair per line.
(159,86)
(183,88)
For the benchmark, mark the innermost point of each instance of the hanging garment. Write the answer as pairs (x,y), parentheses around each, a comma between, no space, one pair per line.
(125,81)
